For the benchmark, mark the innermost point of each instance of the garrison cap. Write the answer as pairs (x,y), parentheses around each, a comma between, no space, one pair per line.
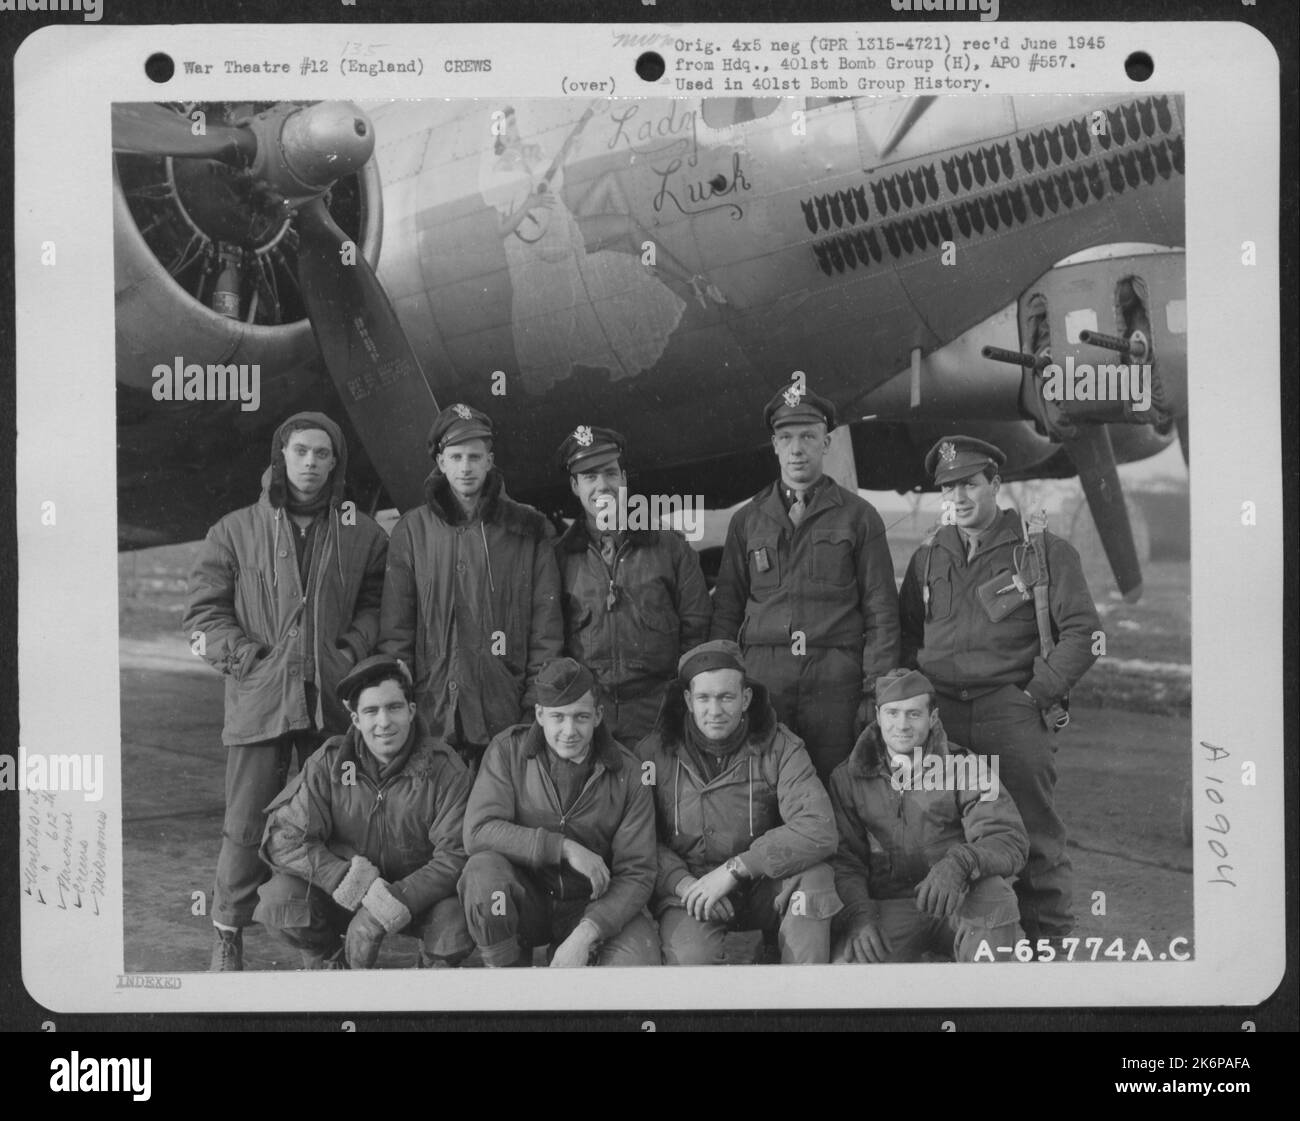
(721,653)
(457,424)
(367,672)
(796,404)
(959,457)
(588,448)
(900,684)
(562,681)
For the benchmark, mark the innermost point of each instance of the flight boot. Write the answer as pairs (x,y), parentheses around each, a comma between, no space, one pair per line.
(227,951)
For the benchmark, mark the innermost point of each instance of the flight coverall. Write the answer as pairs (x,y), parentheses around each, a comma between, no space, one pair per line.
(977,640)
(630,623)
(768,807)
(890,839)
(814,609)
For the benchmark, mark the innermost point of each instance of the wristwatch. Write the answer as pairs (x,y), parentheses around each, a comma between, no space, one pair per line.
(736,868)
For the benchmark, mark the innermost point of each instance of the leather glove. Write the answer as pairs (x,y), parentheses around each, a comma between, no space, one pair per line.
(363,939)
(352,890)
(385,907)
(942,891)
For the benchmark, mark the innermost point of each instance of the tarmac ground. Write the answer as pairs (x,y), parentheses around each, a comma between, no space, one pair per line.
(1123,775)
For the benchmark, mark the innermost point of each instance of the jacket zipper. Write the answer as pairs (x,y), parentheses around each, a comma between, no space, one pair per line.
(611,628)
(375,806)
(381,792)
(319,716)
(564,815)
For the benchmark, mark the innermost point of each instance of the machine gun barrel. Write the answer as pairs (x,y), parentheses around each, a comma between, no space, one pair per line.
(1109,342)
(1014,357)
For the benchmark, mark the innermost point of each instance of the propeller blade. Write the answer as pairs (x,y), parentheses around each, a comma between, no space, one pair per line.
(367,353)
(1094,458)
(150,130)
(915,108)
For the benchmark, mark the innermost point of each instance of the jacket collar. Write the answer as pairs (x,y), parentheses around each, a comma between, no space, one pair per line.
(273,494)
(870,756)
(495,508)
(1006,527)
(428,754)
(825,493)
(577,537)
(670,728)
(603,748)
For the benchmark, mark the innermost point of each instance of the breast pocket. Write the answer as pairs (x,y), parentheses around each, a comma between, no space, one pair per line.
(940,606)
(653,604)
(764,564)
(832,558)
(1002,599)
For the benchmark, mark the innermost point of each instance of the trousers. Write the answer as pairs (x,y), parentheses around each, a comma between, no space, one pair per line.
(255,774)
(816,695)
(798,909)
(1007,723)
(988,914)
(509,912)
(305,917)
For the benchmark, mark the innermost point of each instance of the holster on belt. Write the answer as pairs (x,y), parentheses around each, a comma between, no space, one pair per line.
(1035,575)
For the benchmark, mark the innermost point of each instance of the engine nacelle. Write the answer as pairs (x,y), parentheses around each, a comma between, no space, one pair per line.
(159,318)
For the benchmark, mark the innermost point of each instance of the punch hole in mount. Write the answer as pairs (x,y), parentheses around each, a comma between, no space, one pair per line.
(650,66)
(1138,66)
(159,67)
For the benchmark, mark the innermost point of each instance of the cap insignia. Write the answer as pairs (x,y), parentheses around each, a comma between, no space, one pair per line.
(583,435)
(948,451)
(463,411)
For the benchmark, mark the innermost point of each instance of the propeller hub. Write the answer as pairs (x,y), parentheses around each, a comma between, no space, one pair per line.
(325,141)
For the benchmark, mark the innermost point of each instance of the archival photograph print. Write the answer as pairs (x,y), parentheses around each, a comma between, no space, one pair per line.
(695,530)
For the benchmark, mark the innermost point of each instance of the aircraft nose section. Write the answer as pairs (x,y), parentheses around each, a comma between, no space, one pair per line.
(327,141)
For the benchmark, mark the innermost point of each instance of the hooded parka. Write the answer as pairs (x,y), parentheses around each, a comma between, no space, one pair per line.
(251,617)
(767,806)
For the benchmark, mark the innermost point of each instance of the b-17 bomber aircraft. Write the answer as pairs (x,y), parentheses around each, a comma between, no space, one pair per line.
(660,266)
